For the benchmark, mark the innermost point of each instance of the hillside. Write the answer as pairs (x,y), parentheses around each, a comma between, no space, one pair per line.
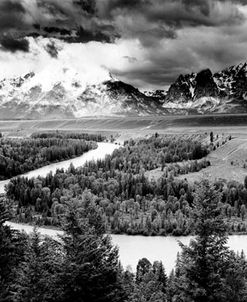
(68,96)
(205,92)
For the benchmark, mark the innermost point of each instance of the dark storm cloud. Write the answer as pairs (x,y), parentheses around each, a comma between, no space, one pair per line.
(180,36)
(55,11)
(74,21)
(174,13)
(106,20)
(13,45)
(11,14)
(54,30)
(175,36)
(85,36)
(70,20)
(88,6)
(184,13)
(191,52)
(104,34)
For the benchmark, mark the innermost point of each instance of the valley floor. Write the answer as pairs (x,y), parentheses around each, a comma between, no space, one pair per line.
(132,126)
(229,161)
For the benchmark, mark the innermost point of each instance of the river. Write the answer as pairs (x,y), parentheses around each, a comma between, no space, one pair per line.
(99,153)
(131,248)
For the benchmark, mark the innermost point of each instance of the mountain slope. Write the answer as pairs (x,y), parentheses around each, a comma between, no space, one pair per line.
(204,92)
(63,93)
(68,97)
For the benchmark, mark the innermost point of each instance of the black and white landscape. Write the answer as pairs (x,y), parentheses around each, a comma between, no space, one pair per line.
(68,96)
(123,151)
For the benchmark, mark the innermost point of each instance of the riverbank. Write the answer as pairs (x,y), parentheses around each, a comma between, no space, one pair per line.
(58,229)
(133,248)
(99,153)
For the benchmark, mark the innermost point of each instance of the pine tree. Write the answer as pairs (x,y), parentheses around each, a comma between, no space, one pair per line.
(245,182)
(91,266)
(143,267)
(151,282)
(203,262)
(12,245)
(206,265)
(37,275)
(160,275)
(211,137)
(235,280)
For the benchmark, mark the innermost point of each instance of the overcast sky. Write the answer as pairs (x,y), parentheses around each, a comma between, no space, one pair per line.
(147,43)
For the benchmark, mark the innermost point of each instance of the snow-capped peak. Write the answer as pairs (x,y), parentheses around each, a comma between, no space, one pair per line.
(64,92)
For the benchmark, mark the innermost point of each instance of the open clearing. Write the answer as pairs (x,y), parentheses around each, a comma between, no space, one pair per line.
(130,125)
(227,163)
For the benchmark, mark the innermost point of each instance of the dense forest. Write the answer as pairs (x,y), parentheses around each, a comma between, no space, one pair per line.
(157,151)
(83,265)
(18,156)
(70,135)
(129,202)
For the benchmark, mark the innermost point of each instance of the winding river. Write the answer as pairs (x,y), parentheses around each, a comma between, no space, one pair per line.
(131,248)
(99,153)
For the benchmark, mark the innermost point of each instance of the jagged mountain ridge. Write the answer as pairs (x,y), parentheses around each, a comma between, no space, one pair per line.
(67,95)
(204,92)
(70,97)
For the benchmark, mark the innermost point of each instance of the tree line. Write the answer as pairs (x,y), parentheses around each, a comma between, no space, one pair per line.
(18,156)
(97,137)
(151,208)
(83,265)
(130,203)
(158,151)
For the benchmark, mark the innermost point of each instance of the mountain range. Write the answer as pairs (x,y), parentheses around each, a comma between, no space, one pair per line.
(34,96)
(222,92)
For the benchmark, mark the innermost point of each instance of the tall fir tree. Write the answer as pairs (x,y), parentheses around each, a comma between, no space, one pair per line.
(36,277)
(12,246)
(91,266)
(205,265)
